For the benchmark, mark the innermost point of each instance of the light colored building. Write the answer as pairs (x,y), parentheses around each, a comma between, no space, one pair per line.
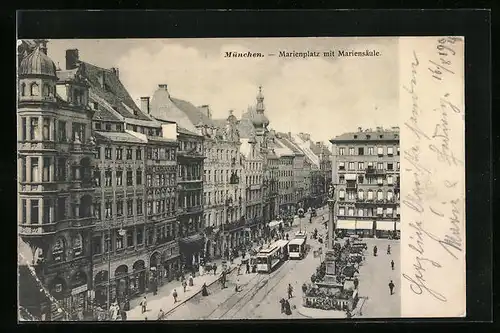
(366,171)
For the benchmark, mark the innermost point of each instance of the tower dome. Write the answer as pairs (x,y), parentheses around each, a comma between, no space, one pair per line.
(37,63)
(260,120)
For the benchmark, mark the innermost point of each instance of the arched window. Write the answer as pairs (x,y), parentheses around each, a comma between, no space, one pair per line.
(389,195)
(370,195)
(34,89)
(77,245)
(380,195)
(46,90)
(360,195)
(23,89)
(360,212)
(58,250)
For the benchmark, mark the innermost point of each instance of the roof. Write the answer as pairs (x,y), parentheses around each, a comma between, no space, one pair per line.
(113,92)
(159,138)
(368,135)
(182,130)
(221,123)
(246,129)
(37,63)
(66,75)
(289,143)
(297,241)
(118,137)
(194,114)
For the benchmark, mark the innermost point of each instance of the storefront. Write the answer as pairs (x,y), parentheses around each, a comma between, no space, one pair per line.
(191,249)
(354,227)
(120,292)
(138,279)
(385,229)
(101,288)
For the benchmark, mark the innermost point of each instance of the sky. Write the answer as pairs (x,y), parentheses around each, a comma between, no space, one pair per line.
(322,96)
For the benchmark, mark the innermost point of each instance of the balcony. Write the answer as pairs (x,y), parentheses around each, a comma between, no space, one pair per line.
(36,145)
(370,171)
(81,148)
(37,230)
(351,185)
(76,223)
(65,266)
(190,210)
(190,153)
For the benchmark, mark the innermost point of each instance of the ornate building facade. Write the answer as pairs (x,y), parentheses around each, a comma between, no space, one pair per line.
(55,189)
(366,175)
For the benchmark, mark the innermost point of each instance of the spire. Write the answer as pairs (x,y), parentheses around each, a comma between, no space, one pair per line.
(260,101)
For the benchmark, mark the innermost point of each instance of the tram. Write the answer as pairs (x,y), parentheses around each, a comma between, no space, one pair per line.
(268,258)
(297,248)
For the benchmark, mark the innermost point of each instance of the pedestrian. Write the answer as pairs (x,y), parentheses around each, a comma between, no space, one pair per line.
(191,280)
(144,304)
(215,268)
(288,310)
(356,283)
(239,270)
(282,303)
(204,291)
(161,315)
(248,267)
(124,315)
(290,291)
(389,249)
(174,294)
(184,285)
(375,251)
(391,286)
(392,264)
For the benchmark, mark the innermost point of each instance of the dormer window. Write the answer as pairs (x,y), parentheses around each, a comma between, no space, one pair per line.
(355,136)
(368,136)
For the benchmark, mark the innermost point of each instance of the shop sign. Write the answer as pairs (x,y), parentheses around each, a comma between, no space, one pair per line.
(79,289)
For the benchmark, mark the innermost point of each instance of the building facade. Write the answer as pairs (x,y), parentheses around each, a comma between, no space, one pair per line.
(55,188)
(366,175)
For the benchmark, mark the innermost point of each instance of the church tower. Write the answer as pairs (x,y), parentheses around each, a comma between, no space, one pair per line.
(260,121)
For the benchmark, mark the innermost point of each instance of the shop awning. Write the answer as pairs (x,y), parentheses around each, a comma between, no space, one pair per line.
(365,225)
(346,224)
(192,243)
(385,225)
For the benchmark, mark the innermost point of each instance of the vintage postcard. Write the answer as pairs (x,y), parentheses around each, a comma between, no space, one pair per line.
(253,178)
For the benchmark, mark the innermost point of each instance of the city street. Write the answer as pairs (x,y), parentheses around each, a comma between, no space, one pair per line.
(260,293)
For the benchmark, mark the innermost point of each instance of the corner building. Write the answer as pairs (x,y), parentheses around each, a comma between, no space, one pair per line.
(55,188)
(366,172)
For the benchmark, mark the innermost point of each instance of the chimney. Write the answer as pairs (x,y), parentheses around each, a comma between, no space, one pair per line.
(102,79)
(116,71)
(145,104)
(205,109)
(163,86)
(72,59)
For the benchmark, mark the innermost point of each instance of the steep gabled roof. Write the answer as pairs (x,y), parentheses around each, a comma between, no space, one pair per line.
(117,137)
(113,91)
(182,130)
(193,113)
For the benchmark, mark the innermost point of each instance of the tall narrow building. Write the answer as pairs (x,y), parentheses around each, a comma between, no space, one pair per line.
(56,190)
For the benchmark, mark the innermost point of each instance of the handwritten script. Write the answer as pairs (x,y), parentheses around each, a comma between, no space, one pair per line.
(433,196)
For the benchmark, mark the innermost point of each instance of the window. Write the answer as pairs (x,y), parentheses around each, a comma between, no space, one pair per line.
(361,165)
(389,180)
(149,180)
(119,241)
(107,153)
(108,246)
(389,211)
(360,212)
(351,195)
(130,238)
(380,195)
(98,153)
(108,126)
(34,89)
(398,151)
(119,127)
(149,153)
(370,195)
(108,209)
(35,219)
(33,128)
(46,129)
(380,166)
(341,211)
(150,207)
(140,235)
(107,178)
(35,174)
(139,206)
(380,151)
(380,181)
(341,179)
(351,151)
(97,210)
(119,153)
(371,151)
(390,166)
(397,165)
(342,194)
(360,195)
(129,178)
(351,165)
(97,178)
(138,154)
(119,178)
(361,151)
(390,150)
(341,151)
(138,177)
(361,179)
(130,207)
(380,211)
(129,153)
(341,165)
(350,212)
(119,208)
(96,245)
(390,196)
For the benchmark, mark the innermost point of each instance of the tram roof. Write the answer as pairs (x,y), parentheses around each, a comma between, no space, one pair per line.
(297,241)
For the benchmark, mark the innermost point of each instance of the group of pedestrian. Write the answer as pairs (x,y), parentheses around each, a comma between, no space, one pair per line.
(391,284)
